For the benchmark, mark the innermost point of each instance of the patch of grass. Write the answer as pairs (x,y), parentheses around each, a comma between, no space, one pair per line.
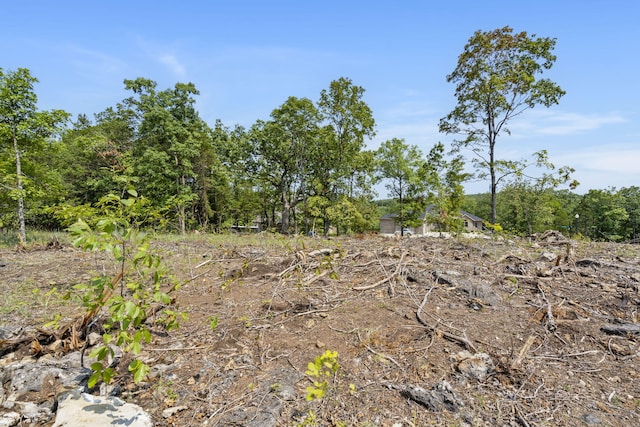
(35,238)
(31,302)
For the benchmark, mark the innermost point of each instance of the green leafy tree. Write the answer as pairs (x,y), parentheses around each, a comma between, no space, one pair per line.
(602,215)
(445,191)
(339,166)
(282,150)
(400,164)
(631,203)
(169,138)
(22,129)
(497,79)
(530,202)
(95,159)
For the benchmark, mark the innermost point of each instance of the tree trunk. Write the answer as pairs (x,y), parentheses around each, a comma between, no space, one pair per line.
(494,183)
(181,181)
(22,231)
(285,211)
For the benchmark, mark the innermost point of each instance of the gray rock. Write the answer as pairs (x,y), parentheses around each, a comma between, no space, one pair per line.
(84,410)
(547,256)
(473,366)
(8,332)
(30,376)
(591,420)
(279,387)
(35,413)
(441,396)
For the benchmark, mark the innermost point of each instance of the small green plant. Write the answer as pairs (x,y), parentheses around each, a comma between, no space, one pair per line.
(213,322)
(321,370)
(310,420)
(135,290)
(494,228)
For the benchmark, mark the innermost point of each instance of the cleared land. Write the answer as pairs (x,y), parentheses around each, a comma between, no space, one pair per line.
(429,331)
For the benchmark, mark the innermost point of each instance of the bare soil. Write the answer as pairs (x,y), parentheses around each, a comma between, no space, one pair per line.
(429,331)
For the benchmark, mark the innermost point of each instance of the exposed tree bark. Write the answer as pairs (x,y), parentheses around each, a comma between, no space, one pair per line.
(22,232)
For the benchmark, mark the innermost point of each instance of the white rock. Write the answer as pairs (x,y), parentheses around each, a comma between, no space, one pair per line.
(9,419)
(85,410)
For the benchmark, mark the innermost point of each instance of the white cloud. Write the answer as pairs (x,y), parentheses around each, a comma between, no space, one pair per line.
(162,54)
(561,123)
(172,62)
(616,160)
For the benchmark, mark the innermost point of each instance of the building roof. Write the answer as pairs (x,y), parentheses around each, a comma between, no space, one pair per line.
(472,217)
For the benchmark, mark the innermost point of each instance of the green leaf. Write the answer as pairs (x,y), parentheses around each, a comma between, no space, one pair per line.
(94,378)
(139,370)
(213,322)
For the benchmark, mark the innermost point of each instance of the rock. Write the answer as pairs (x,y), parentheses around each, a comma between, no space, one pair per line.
(10,419)
(9,332)
(481,291)
(547,256)
(170,412)
(279,387)
(473,366)
(35,413)
(441,396)
(45,377)
(591,420)
(79,409)
(94,338)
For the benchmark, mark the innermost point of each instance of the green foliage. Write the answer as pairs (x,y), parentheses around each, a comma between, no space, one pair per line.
(23,132)
(528,204)
(445,191)
(140,274)
(321,370)
(497,78)
(400,165)
(603,214)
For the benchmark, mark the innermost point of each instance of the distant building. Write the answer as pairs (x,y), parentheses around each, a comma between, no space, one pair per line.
(389,223)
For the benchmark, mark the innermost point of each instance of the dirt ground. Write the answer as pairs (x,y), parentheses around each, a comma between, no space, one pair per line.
(428,331)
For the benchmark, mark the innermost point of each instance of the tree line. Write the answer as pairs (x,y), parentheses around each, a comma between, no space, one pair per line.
(306,168)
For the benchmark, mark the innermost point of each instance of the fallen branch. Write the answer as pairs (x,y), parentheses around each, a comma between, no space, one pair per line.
(384,356)
(523,351)
(621,329)
(551,324)
(380,282)
(375,285)
(462,340)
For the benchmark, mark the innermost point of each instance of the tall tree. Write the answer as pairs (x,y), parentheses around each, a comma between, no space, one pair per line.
(170,135)
(349,121)
(283,148)
(95,159)
(496,80)
(23,128)
(400,164)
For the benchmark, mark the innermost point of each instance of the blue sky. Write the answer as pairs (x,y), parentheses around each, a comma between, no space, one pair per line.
(247,57)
